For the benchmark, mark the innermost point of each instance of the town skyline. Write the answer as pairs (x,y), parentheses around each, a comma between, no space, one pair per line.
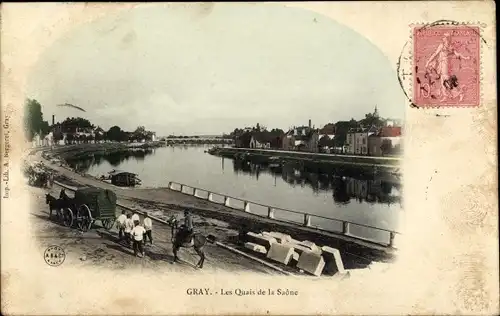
(319,126)
(221,72)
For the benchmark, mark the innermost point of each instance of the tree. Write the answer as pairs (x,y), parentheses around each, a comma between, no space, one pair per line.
(341,130)
(325,141)
(33,119)
(115,133)
(276,132)
(90,138)
(98,137)
(259,127)
(140,130)
(70,138)
(57,134)
(72,123)
(372,119)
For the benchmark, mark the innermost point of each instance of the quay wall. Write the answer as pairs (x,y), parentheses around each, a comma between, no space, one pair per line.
(306,220)
(387,162)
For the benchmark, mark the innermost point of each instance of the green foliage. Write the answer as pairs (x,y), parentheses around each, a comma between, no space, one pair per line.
(325,141)
(341,130)
(72,123)
(115,133)
(372,120)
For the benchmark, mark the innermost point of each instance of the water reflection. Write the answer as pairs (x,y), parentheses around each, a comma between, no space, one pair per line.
(114,159)
(378,190)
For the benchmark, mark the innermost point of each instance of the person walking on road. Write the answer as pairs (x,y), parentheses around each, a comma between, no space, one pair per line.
(135,217)
(120,223)
(148,226)
(129,225)
(137,238)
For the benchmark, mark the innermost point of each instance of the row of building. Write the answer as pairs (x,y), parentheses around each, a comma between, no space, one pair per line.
(371,141)
(63,134)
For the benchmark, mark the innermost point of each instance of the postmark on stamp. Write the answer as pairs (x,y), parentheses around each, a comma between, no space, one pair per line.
(446,65)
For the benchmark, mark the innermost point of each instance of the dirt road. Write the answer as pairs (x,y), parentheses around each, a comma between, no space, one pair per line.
(102,248)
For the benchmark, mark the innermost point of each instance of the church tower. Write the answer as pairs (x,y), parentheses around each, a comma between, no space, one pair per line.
(375,112)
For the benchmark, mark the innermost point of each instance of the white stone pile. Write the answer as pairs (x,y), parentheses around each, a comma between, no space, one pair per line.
(304,255)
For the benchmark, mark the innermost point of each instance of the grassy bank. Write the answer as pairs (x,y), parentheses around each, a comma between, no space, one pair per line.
(82,151)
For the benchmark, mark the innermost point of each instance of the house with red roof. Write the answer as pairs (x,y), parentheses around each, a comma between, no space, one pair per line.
(387,140)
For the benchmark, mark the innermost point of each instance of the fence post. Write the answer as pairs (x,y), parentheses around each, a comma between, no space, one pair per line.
(270,212)
(345,228)
(307,220)
(210,197)
(247,207)
(391,239)
(182,186)
(226,201)
(194,192)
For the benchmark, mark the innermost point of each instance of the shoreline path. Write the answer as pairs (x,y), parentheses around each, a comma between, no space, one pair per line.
(99,247)
(167,202)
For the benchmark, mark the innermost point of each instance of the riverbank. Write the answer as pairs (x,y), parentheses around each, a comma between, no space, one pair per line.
(161,198)
(82,151)
(314,162)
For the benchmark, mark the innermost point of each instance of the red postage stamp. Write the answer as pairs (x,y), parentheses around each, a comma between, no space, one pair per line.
(446,61)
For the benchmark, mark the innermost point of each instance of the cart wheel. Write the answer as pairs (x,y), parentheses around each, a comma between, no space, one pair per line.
(84,218)
(67,217)
(108,223)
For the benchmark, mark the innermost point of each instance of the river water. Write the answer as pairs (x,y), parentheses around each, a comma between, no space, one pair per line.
(369,201)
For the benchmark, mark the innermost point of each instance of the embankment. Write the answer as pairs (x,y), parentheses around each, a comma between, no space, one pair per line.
(82,151)
(316,162)
(163,198)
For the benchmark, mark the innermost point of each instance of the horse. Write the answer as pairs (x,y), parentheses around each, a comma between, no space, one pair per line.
(54,204)
(197,241)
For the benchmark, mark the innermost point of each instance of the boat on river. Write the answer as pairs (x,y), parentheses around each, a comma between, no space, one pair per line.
(122,178)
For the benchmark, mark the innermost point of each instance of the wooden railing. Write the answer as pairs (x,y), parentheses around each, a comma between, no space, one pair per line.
(272,211)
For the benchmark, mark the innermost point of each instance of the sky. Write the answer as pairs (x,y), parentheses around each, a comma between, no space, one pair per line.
(187,71)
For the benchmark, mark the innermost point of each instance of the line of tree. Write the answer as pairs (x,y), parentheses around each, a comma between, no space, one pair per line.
(34,124)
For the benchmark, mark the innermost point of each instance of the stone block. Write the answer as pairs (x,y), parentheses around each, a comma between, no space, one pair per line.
(262,240)
(312,246)
(255,247)
(280,237)
(300,247)
(280,253)
(311,262)
(333,261)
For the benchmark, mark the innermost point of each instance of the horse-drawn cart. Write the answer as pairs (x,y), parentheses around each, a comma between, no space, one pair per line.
(89,205)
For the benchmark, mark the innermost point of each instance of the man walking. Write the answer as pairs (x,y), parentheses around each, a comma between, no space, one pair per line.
(121,224)
(148,226)
(137,238)
(135,217)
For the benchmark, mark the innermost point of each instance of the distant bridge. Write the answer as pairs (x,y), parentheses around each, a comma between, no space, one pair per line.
(191,139)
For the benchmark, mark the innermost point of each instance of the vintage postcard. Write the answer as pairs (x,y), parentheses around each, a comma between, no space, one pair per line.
(302,158)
